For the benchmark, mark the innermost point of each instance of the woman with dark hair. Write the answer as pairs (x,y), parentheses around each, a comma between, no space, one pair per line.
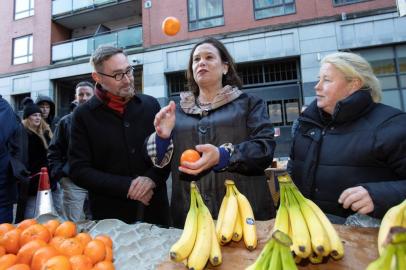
(230,129)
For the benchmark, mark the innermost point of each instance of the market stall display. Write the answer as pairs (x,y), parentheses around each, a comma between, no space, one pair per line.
(360,246)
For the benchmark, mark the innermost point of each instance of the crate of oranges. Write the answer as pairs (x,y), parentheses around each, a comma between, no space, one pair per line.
(53,245)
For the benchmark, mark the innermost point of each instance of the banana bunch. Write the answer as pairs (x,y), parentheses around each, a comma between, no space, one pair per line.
(276,254)
(312,234)
(198,242)
(393,254)
(236,218)
(396,216)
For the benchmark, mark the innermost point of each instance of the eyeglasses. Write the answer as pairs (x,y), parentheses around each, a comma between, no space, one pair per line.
(120,76)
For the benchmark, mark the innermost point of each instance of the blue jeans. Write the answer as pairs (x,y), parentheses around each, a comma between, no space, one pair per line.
(6,213)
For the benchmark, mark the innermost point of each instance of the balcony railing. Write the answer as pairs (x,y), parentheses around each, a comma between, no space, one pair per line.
(60,7)
(78,48)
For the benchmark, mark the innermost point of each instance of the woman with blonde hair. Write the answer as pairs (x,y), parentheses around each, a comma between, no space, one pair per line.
(349,153)
(36,138)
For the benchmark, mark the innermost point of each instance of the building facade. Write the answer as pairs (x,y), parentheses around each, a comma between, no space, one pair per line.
(277,46)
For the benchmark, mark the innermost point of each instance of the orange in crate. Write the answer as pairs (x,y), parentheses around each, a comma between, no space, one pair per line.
(70,247)
(11,241)
(20,266)
(36,231)
(81,262)
(67,229)
(7,261)
(104,265)
(95,250)
(57,263)
(41,256)
(27,251)
(51,225)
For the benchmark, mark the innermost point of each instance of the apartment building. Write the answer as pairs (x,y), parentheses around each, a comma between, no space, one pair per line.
(277,45)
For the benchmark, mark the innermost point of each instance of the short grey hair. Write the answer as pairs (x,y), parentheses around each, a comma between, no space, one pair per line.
(353,66)
(102,54)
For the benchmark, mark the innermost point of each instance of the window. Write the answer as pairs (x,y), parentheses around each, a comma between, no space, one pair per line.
(205,14)
(23,8)
(389,65)
(254,74)
(270,8)
(176,82)
(22,50)
(346,2)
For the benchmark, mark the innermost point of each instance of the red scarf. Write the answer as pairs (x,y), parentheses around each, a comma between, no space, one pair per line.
(114,102)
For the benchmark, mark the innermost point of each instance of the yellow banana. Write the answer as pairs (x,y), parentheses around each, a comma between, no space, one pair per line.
(404,218)
(182,248)
(230,216)
(282,218)
(215,252)
(237,233)
(249,228)
(393,217)
(336,246)
(220,217)
(201,250)
(316,258)
(300,233)
(318,235)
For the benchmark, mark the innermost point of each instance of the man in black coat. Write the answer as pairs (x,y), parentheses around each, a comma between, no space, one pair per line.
(106,152)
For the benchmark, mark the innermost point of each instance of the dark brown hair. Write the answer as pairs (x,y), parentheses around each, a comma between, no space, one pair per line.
(231,78)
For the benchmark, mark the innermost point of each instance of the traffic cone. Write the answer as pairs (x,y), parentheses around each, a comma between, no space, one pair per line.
(44,206)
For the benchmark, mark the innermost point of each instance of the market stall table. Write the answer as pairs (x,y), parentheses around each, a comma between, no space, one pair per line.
(360,249)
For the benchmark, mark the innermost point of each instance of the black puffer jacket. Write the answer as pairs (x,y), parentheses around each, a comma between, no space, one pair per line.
(363,143)
(58,149)
(244,122)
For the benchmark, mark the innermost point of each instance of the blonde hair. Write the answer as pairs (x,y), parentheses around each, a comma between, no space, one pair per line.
(41,130)
(354,66)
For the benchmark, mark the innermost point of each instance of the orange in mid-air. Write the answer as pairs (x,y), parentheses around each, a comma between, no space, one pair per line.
(170,26)
(189,155)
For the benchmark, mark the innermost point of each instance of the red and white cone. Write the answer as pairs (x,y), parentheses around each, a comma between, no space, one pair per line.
(44,206)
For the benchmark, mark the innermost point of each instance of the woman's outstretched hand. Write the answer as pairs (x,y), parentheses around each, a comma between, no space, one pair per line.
(164,120)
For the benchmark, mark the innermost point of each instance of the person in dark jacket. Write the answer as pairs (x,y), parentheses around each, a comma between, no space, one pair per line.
(73,197)
(47,106)
(37,136)
(349,154)
(230,129)
(106,151)
(8,187)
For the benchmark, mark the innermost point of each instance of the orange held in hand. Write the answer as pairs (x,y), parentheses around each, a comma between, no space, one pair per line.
(170,26)
(189,155)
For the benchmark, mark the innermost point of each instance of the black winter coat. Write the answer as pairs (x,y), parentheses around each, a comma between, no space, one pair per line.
(106,153)
(58,149)
(244,122)
(362,144)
